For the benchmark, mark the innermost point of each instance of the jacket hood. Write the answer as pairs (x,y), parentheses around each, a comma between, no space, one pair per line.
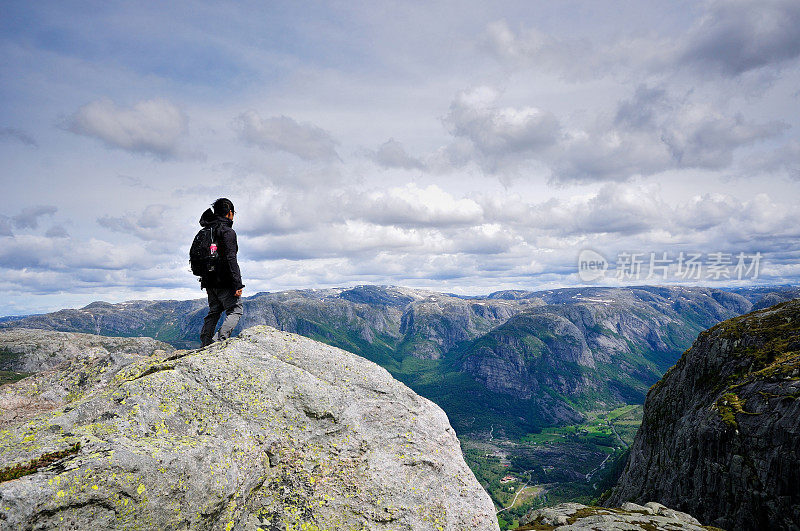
(209,218)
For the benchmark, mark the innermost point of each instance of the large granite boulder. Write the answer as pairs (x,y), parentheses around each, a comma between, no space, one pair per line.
(720,437)
(27,350)
(269,430)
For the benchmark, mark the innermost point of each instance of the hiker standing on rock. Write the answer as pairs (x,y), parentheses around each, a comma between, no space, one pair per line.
(213,258)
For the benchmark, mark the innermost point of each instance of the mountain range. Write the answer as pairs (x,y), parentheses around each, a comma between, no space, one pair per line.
(510,362)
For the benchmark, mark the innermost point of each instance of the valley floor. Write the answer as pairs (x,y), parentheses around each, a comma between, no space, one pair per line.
(559,464)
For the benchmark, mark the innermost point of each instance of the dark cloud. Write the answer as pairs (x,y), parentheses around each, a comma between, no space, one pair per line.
(5,226)
(57,231)
(153,127)
(29,217)
(730,38)
(134,182)
(644,109)
(392,154)
(19,135)
(783,160)
(735,37)
(150,225)
(282,133)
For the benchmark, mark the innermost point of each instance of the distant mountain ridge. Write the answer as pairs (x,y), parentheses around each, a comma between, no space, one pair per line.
(512,359)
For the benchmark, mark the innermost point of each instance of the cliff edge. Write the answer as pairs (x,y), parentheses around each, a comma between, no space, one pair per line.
(720,438)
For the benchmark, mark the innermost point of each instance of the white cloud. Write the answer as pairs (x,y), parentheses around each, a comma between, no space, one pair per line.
(350,238)
(155,127)
(707,211)
(272,211)
(653,132)
(615,209)
(283,133)
(56,253)
(415,206)
(530,47)
(650,132)
(500,134)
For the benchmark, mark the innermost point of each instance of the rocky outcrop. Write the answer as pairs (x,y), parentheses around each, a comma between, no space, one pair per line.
(720,437)
(29,351)
(576,517)
(269,430)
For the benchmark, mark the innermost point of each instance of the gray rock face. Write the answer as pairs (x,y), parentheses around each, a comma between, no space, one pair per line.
(720,437)
(27,350)
(269,430)
(631,517)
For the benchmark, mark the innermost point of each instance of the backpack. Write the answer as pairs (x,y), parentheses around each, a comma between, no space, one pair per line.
(203,255)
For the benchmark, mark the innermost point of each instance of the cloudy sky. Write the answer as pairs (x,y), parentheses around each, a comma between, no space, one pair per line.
(460,146)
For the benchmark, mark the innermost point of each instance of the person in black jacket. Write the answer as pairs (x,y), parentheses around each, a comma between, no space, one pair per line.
(224,286)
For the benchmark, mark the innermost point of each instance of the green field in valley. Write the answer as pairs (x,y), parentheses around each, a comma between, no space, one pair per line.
(558,464)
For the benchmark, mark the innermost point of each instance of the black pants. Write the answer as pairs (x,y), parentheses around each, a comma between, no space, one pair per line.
(220,299)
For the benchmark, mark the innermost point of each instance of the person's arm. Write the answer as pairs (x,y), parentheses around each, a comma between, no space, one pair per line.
(231,248)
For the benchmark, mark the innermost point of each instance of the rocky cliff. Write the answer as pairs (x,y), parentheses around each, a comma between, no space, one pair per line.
(632,517)
(269,430)
(720,437)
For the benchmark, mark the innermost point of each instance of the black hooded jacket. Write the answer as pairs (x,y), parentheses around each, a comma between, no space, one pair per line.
(227,247)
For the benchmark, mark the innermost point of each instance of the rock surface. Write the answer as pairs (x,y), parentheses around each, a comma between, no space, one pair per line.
(28,350)
(576,517)
(720,437)
(269,430)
